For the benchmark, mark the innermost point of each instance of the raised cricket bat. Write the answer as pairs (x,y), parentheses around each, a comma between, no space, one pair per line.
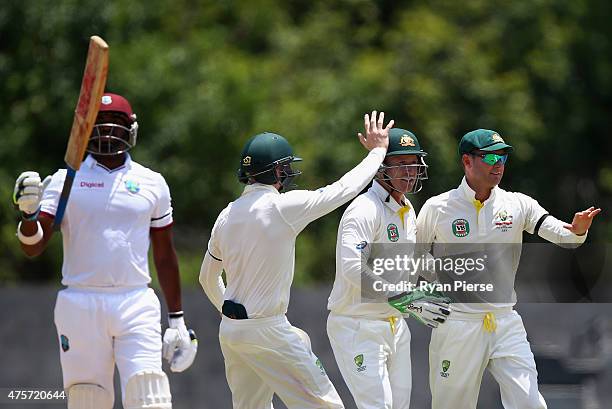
(92,89)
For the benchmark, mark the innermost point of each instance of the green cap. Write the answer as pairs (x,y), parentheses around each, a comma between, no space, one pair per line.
(403,142)
(484,140)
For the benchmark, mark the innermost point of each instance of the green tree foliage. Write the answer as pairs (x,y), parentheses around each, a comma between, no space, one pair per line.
(205,76)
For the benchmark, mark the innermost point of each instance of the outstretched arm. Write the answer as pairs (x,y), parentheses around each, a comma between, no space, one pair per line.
(300,207)
(565,234)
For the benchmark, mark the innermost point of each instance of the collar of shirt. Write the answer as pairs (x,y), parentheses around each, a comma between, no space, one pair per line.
(387,199)
(91,163)
(259,186)
(470,195)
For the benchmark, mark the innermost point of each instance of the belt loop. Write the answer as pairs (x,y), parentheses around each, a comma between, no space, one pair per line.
(489,323)
(392,321)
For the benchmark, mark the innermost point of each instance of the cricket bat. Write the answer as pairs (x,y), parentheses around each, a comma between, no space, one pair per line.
(90,97)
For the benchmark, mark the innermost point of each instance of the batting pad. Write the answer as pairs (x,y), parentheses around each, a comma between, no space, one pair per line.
(148,390)
(89,396)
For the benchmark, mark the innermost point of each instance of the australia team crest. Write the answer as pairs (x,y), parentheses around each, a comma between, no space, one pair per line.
(503,221)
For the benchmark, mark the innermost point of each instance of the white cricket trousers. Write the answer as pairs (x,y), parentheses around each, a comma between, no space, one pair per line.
(374,358)
(264,356)
(100,327)
(462,348)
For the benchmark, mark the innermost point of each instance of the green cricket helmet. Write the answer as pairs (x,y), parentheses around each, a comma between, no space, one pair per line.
(403,142)
(264,153)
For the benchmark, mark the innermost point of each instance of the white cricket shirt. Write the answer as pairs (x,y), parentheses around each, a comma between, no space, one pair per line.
(107,223)
(452,219)
(373,218)
(253,239)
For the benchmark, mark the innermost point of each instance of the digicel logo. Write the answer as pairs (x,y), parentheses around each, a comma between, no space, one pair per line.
(92,184)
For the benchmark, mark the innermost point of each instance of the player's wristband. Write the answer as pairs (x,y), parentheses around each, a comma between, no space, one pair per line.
(30,217)
(30,240)
(175,319)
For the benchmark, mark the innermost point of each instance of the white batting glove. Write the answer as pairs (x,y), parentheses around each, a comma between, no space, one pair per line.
(180,345)
(430,312)
(28,193)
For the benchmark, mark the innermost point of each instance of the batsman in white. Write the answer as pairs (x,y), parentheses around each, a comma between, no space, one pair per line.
(489,335)
(108,315)
(253,240)
(367,332)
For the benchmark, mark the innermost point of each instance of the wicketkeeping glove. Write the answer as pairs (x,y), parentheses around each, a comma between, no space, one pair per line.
(180,345)
(428,307)
(28,194)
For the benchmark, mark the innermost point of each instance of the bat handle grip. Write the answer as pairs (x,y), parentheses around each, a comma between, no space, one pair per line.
(63,200)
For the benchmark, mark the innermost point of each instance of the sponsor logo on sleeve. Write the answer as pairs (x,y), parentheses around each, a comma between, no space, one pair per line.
(64,343)
(320,366)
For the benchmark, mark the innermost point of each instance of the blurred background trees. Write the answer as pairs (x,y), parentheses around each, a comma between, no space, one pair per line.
(205,76)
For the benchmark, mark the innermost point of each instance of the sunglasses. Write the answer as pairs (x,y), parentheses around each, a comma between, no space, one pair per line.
(492,158)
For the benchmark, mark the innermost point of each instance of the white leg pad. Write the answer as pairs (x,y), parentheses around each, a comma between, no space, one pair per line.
(148,390)
(89,396)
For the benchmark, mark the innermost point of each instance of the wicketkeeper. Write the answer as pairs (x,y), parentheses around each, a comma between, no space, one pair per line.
(370,339)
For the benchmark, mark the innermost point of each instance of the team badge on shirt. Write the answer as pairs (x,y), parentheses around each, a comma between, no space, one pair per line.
(461,227)
(503,221)
(392,232)
(132,186)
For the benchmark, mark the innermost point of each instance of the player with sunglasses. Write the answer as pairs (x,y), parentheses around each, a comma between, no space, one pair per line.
(487,333)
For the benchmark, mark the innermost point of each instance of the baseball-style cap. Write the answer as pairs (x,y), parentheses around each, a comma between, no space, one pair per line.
(116,103)
(403,142)
(484,140)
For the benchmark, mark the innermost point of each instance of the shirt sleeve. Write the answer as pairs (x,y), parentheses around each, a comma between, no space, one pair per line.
(162,213)
(212,267)
(356,235)
(550,228)
(426,234)
(211,281)
(426,227)
(51,195)
(532,210)
(300,207)
(214,247)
